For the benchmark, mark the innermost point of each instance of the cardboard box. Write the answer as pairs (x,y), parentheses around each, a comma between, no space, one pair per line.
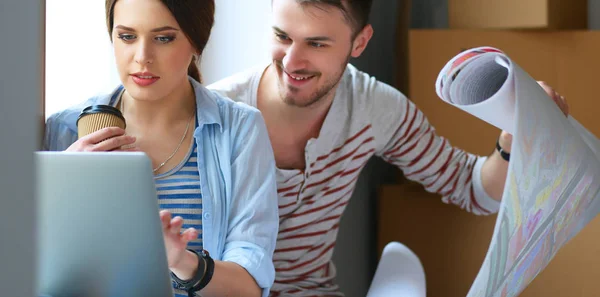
(451,242)
(517,14)
(568,61)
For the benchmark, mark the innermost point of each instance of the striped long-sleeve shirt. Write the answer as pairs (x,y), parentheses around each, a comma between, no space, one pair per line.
(367,118)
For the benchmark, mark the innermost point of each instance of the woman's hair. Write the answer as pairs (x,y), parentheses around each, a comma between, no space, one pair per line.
(195,17)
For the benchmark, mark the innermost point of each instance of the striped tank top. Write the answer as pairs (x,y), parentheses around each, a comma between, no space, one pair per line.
(179,192)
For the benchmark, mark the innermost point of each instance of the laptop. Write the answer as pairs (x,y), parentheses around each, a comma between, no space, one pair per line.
(98,227)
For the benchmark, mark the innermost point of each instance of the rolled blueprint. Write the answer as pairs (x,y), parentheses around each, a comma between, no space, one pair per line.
(552,189)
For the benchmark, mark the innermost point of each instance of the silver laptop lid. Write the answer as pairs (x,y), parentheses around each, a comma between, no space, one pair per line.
(99,232)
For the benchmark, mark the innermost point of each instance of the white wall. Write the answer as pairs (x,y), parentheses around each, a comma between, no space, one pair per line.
(20,119)
(79,57)
(239,39)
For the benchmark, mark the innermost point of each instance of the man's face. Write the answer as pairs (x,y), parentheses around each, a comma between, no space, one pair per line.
(311,48)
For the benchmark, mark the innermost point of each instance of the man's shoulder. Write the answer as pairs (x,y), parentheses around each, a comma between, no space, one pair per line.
(366,88)
(234,118)
(228,106)
(240,86)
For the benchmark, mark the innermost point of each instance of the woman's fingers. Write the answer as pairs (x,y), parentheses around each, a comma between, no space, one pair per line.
(176,224)
(102,134)
(113,143)
(103,140)
(189,235)
(165,219)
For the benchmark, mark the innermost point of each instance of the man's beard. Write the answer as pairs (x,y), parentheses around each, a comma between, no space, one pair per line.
(288,93)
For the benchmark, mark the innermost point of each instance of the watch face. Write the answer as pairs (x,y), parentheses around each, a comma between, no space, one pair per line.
(205,253)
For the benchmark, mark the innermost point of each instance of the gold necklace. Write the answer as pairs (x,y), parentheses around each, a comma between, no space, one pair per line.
(178,145)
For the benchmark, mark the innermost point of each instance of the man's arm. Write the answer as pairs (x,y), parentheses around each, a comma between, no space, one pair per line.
(495,169)
(406,139)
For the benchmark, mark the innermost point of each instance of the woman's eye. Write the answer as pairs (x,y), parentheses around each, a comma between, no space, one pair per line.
(282,37)
(165,39)
(126,37)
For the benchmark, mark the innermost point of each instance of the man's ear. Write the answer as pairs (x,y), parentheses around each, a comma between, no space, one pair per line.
(360,42)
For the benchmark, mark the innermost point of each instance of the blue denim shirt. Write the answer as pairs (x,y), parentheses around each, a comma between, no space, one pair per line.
(237,176)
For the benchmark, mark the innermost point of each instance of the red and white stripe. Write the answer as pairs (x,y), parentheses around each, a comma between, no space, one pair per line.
(311,204)
(366,118)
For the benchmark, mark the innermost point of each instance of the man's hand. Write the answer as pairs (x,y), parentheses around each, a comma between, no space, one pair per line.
(506,138)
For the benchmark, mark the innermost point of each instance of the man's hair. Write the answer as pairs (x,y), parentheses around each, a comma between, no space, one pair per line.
(356,12)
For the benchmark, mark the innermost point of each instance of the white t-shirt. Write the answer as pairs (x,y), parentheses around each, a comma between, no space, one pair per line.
(366,118)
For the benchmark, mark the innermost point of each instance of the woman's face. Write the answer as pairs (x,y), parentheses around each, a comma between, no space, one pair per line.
(151,51)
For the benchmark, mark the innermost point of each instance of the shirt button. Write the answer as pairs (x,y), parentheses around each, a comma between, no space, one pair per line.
(207,215)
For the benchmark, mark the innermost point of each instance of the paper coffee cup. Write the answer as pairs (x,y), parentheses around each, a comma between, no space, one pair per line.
(96,117)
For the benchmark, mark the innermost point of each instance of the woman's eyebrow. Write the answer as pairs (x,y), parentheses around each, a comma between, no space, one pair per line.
(159,29)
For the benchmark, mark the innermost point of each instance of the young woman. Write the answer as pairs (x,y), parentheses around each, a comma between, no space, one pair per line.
(213,161)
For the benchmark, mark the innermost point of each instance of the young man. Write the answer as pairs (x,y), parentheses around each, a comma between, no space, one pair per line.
(325,119)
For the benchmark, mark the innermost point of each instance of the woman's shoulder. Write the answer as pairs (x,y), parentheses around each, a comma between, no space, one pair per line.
(61,126)
(69,115)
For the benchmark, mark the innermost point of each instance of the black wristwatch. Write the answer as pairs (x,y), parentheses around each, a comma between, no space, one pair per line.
(504,154)
(204,273)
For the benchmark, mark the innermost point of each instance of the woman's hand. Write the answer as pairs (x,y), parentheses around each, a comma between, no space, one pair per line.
(104,140)
(176,244)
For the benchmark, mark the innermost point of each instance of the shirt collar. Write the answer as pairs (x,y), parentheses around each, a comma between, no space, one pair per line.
(207,107)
